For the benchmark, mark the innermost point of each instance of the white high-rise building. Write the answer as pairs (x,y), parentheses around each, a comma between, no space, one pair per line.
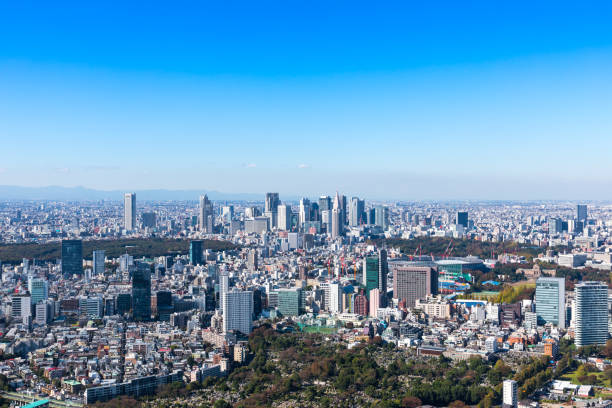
(591,299)
(44,312)
(510,394)
(284,217)
(129,211)
(223,287)
(98,262)
(304,213)
(238,311)
(335,298)
(21,307)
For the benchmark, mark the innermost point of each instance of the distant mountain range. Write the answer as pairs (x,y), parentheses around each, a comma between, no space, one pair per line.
(57,193)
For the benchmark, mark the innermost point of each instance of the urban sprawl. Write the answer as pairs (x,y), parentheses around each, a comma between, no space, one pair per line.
(108,299)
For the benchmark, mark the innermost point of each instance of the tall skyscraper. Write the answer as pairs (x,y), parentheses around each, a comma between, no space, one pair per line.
(381,216)
(164,305)
(462,218)
(555,226)
(591,300)
(205,217)
(510,394)
(334,305)
(304,212)
(129,211)
(284,217)
(196,252)
(272,202)
(141,292)
(411,282)
(374,299)
(39,289)
(550,301)
(238,311)
(223,287)
(98,262)
(72,257)
(581,212)
(375,270)
(149,220)
(336,223)
(344,210)
(325,203)
(356,212)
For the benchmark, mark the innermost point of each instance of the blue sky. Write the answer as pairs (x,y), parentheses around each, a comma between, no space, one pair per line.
(399,100)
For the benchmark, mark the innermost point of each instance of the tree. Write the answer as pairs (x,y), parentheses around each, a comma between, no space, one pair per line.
(221,403)
(411,402)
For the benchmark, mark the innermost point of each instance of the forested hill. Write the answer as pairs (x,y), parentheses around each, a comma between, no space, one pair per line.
(138,247)
(462,247)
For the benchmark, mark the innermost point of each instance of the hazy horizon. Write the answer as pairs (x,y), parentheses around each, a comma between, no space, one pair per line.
(83,193)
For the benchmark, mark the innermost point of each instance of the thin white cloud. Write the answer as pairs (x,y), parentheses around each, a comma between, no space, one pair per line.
(303,166)
(250,165)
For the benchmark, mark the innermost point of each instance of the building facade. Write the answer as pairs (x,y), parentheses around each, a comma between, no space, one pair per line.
(550,301)
(72,257)
(411,282)
(591,299)
(129,211)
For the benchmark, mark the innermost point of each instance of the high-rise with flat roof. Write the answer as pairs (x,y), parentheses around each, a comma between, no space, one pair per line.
(21,307)
(290,301)
(284,217)
(581,212)
(149,220)
(205,217)
(196,252)
(356,212)
(381,216)
(462,218)
(591,300)
(272,203)
(98,262)
(336,223)
(325,203)
(375,270)
(550,301)
(72,257)
(510,394)
(238,311)
(129,211)
(411,282)
(141,292)
(304,211)
(39,289)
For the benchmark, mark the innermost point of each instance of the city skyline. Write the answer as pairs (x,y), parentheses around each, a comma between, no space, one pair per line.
(403,102)
(306,204)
